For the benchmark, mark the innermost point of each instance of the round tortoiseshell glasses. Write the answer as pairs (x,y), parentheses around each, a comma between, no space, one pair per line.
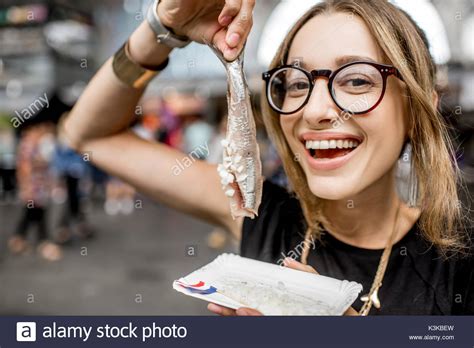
(356,88)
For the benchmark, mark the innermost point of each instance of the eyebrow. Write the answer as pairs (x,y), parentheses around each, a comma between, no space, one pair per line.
(349,59)
(339,60)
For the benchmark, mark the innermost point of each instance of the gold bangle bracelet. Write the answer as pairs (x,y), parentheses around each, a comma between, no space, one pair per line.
(131,73)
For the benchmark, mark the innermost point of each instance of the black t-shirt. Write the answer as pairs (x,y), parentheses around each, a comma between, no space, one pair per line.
(417,280)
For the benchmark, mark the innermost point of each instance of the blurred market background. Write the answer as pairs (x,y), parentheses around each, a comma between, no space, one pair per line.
(118,251)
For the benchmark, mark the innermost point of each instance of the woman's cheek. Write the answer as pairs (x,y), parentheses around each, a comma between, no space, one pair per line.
(288,128)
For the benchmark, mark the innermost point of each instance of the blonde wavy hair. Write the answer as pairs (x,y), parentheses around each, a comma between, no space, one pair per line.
(404,46)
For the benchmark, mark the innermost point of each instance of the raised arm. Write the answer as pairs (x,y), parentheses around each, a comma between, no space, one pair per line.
(98,124)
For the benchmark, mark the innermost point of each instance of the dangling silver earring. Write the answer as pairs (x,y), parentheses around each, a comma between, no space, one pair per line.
(406,178)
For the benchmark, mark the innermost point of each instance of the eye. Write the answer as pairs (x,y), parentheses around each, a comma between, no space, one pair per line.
(357,82)
(294,86)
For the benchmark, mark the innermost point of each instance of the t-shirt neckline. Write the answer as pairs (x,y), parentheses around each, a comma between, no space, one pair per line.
(329,239)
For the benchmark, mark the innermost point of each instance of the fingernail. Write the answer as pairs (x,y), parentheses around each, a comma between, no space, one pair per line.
(225,20)
(242,311)
(233,39)
(287,260)
(213,308)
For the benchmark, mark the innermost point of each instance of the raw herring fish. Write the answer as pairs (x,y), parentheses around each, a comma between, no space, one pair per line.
(241,170)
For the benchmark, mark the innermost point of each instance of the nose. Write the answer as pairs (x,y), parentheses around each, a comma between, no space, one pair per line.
(320,108)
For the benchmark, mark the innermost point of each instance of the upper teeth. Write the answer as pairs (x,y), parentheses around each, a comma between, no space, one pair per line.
(331,144)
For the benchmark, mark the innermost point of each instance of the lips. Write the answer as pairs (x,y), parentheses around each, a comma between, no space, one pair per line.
(327,150)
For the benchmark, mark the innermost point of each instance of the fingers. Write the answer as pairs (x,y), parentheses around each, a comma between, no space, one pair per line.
(230,10)
(351,312)
(291,263)
(239,27)
(219,41)
(224,311)
(243,311)
(221,310)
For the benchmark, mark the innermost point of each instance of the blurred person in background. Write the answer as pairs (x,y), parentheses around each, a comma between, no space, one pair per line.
(98,183)
(7,166)
(380,55)
(171,125)
(197,134)
(193,131)
(71,168)
(119,197)
(35,153)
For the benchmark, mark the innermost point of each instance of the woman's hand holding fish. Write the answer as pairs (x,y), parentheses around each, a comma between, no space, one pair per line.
(226,24)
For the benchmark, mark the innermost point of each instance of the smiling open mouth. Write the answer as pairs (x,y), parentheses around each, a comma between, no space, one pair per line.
(328,149)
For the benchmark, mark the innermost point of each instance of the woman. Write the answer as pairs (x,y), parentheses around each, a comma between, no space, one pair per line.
(35,151)
(344,96)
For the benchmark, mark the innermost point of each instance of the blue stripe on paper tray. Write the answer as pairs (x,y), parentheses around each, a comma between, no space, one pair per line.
(198,288)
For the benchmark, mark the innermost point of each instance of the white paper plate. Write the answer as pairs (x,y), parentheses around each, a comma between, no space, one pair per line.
(235,281)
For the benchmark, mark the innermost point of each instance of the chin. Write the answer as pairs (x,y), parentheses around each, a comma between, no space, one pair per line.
(332,188)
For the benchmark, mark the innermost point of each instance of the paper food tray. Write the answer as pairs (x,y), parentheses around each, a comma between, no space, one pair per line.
(235,281)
